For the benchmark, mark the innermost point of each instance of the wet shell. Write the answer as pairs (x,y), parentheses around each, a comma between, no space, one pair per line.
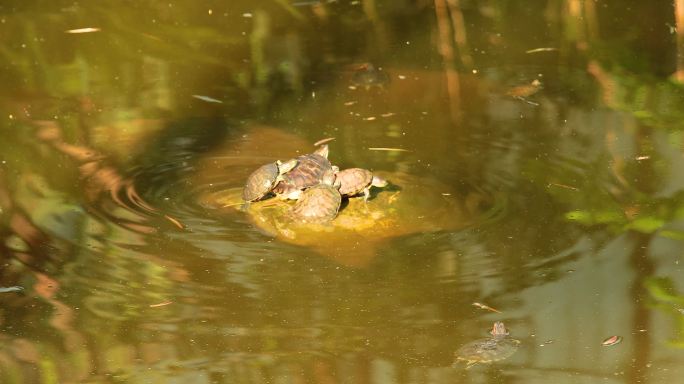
(498,347)
(260,182)
(488,350)
(308,172)
(354,180)
(318,204)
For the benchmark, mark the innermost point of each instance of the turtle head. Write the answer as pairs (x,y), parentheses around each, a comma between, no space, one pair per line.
(379,182)
(499,329)
(322,150)
(328,177)
(284,167)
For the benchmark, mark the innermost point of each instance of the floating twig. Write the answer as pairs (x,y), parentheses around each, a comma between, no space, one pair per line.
(83,30)
(207,99)
(161,304)
(388,149)
(486,307)
(535,50)
(323,141)
(174,221)
(564,186)
(611,341)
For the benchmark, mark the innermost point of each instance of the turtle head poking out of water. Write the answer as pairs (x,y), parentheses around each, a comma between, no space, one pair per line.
(498,347)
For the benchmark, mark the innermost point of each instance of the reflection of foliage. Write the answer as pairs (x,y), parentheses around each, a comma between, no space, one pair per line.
(646,215)
(666,298)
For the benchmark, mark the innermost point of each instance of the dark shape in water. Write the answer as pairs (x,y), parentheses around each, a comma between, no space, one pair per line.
(367,76)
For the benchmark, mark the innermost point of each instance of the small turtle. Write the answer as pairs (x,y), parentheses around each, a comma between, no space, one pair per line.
(498,347)
(262,181)
(367,76)
(358,180)
(319,204)
(308,172)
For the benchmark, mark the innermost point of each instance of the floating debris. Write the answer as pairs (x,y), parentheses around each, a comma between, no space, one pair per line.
(643,157)
(175,222)
(323,141)
(207,99)
(564,186)
(83,30)
(388,149)
(486,307)
(247,15)
(370,118)
(549,49)
(611,341)
(388,114)
(161,304)
(349,103)
(15,288)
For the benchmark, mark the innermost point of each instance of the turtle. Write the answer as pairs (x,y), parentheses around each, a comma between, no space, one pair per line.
(262,181)
(319,204)
(367,76)
(498,347)
(354,181)
(307,173)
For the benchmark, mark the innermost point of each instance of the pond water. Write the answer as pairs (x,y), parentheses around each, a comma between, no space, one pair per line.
(535,156)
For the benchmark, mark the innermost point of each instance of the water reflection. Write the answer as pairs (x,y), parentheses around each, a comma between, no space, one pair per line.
(542,141)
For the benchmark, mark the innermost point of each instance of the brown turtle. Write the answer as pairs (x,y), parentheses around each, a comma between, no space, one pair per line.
(354,181)
(262,181)
(498,347)
(308,172)
(319,204)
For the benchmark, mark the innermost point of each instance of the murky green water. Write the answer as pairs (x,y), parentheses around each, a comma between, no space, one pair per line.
(535,154)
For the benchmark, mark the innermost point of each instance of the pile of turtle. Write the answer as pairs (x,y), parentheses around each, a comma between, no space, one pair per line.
(315,184)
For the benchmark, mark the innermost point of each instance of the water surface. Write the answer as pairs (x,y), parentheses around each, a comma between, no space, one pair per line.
(534,151)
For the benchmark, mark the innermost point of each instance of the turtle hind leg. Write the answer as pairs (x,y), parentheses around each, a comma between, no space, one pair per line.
(366,195)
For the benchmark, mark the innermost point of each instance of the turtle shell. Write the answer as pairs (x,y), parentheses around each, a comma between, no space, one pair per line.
(488,350)
(354,180)
(308,172)
(318,204)
(260,182)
